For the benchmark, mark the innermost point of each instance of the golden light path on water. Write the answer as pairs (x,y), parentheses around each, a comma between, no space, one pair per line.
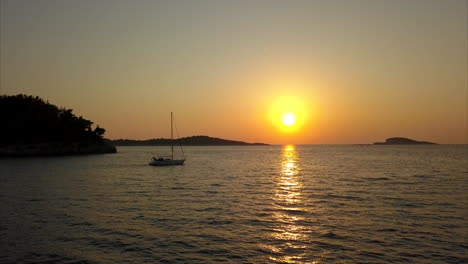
(289,238)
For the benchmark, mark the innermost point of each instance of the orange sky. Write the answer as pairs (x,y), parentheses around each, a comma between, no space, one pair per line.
(355,73)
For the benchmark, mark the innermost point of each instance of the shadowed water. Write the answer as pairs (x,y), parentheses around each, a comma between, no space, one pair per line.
(272,204)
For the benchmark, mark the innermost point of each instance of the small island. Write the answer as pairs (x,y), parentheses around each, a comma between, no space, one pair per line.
(34,127)
(186,141)
(403,141)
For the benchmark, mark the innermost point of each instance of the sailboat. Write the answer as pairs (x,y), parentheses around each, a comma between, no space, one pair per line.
(168,160)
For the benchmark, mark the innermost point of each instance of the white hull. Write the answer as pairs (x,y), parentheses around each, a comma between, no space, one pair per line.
(166,162)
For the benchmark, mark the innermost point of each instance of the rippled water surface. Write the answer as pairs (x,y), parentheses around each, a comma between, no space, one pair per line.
(273,204)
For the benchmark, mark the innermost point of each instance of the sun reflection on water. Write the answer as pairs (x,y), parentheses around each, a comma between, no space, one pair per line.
(289,238)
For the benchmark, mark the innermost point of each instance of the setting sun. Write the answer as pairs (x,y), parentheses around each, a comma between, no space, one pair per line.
(289,119)
(289,114)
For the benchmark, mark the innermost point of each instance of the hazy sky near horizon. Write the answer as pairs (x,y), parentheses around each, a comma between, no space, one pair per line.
(362,70)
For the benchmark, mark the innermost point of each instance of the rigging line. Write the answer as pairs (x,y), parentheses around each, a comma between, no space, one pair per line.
(178,139)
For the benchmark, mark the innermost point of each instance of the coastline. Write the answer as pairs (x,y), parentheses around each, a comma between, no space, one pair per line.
(185,141)
(55,149)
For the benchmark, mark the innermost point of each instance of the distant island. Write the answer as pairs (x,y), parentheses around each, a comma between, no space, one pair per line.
(186,141)
(34,127)
(403,141)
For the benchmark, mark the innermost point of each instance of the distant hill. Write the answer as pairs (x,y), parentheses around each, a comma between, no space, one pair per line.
(186,141)
(403,141)
(32,126)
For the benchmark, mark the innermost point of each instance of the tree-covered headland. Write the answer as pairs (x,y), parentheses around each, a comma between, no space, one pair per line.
(31,121)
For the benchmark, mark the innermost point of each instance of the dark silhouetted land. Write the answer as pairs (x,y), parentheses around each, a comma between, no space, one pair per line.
(403,141)
(186,141)
(34,127)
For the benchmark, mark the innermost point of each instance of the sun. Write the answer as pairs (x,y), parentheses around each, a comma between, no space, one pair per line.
(288,114)
(288,119)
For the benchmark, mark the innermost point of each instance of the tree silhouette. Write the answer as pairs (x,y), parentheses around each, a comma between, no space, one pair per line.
(99,131)
(29,119)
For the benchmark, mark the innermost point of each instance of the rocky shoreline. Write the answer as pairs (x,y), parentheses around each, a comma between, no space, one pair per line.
(55,149)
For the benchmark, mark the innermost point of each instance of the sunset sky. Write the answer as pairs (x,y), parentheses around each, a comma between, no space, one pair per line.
(351,71)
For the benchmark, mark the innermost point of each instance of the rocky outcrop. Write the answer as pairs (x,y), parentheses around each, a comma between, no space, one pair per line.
(403,141)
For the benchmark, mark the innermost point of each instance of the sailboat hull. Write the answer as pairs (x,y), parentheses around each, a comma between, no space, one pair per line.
(166,162)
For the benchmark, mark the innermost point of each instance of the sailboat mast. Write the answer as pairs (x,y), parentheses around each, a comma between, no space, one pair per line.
(172,140)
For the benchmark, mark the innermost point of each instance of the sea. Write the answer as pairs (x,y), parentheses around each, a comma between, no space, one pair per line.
(239,204)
